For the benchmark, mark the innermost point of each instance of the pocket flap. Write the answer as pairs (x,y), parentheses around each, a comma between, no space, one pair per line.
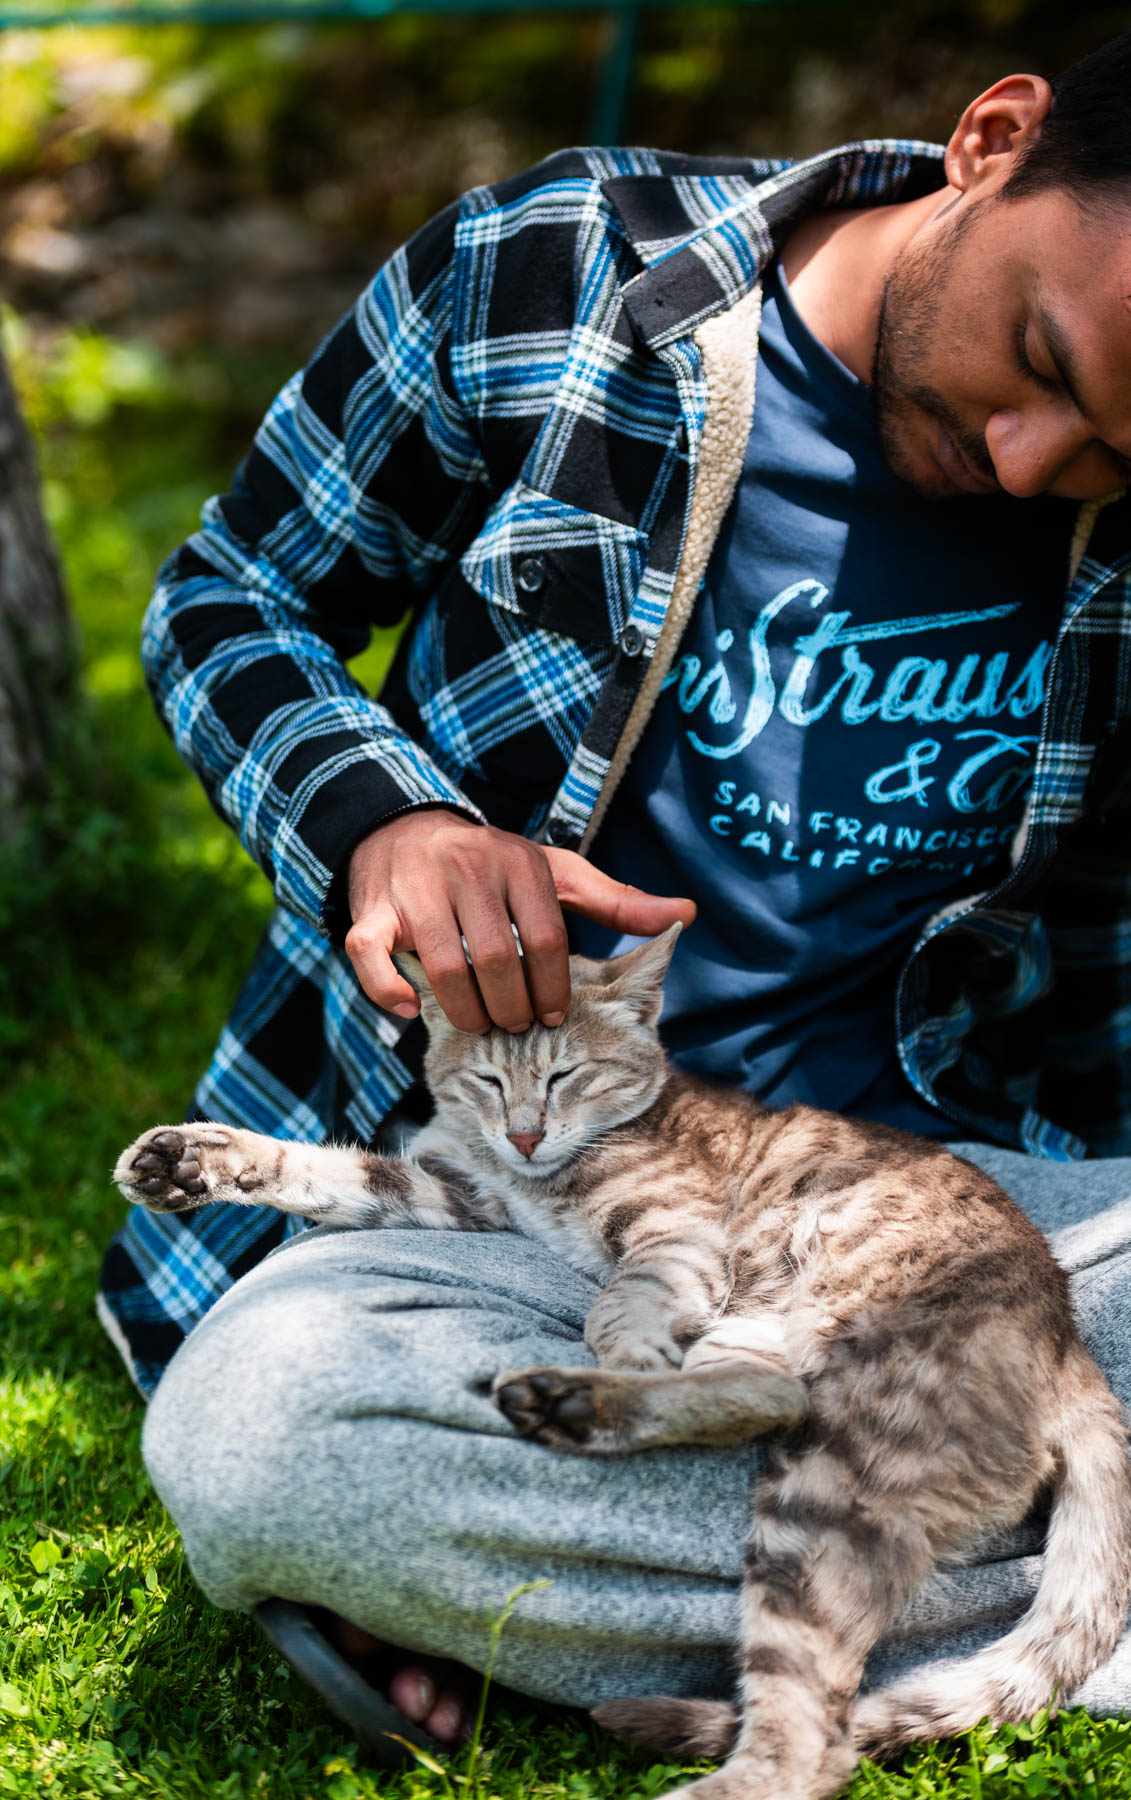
(565,570)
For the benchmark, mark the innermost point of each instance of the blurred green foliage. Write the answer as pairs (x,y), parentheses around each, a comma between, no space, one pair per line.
(280,105)
(125,858)
(125,848)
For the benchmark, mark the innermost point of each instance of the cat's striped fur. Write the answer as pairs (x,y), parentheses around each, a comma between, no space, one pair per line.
(878,1305)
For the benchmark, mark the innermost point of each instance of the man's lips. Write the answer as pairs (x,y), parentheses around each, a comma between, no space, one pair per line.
(956,465)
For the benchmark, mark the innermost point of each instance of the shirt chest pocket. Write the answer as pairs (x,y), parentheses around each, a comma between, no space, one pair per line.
(556,567)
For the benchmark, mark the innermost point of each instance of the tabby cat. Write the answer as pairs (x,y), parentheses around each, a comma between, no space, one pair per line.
(879,1305)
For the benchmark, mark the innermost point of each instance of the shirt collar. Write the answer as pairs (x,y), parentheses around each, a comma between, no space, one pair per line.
(705,237)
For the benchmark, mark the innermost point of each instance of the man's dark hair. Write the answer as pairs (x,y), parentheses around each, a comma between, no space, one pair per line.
(1084,145)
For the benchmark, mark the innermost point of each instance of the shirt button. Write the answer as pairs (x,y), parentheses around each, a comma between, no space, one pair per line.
(681,438)
(531,574)
(632,640)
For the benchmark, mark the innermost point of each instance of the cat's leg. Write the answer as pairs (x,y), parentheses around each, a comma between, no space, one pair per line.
(665,1294)
(687,1729)
(664,1298)
(175,1167)
(829,1566)
(606,1412)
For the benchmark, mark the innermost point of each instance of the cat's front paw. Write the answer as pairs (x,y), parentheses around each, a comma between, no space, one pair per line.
(647,1353)
(176,1167)
(579,1410)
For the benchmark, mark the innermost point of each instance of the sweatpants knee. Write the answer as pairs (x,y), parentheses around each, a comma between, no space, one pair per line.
(247,1442)
(316,1439)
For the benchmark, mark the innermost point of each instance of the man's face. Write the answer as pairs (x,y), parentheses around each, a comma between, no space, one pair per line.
(1003,361)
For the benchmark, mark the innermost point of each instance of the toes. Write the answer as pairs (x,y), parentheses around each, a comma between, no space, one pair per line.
(186,1174)
(547,1403)
(166,1173)
(518,1401)
(432,1692)
(574,1413)
(446,1720)
(413,1693)
(545,1382)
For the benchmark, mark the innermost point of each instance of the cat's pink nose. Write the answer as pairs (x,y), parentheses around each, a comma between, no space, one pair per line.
(526,1142)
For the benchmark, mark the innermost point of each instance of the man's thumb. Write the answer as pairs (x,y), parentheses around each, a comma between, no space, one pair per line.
(584,889)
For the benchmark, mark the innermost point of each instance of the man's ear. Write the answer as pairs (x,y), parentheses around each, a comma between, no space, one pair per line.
(636,979)
(412,969)
(996,128)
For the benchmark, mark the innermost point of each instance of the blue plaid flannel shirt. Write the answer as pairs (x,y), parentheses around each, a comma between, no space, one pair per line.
(521,382)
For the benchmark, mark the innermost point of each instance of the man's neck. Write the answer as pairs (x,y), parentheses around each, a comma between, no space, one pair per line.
(837,263)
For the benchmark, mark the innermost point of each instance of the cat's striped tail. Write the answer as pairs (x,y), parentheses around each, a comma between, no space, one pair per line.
(1079,1609)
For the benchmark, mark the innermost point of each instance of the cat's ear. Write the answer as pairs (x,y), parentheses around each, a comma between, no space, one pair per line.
(593,971)
(412,969)
(636,979)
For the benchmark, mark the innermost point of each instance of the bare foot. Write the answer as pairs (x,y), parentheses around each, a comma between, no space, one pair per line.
(438,1695)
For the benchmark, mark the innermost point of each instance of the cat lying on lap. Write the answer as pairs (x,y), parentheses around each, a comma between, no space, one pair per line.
(879,1305)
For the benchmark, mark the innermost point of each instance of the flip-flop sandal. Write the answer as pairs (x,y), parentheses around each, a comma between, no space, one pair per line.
(370,1717)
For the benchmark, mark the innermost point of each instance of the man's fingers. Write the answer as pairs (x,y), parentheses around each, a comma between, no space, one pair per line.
(586,890)
(369,946)
(537,914)
(436,941)
(498,971)
(440,949)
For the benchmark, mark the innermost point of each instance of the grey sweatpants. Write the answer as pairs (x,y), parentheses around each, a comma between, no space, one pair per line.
(325,1435)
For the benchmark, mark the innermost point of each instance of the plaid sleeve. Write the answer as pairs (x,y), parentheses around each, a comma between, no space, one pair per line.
(355,497)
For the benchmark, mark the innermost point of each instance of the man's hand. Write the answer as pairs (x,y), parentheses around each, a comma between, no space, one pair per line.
(419,881)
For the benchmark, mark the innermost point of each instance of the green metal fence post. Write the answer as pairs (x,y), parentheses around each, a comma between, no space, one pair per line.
(614,83)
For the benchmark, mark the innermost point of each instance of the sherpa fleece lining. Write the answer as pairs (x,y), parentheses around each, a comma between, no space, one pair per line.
(728,349)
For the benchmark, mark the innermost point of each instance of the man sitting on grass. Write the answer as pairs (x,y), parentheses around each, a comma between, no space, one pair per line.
(763,533)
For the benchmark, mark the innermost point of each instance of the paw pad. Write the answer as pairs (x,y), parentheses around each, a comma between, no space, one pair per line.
(547,1403)
(165,1174)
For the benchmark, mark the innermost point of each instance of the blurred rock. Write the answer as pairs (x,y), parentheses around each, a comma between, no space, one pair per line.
(42,250)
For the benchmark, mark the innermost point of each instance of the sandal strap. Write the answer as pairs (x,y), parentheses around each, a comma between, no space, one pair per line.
(369,1716)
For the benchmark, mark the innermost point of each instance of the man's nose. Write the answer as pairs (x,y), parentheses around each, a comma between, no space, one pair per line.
(526,1142)
(1030,450)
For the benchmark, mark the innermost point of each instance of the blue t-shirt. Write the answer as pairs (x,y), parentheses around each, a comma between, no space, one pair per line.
(843,745)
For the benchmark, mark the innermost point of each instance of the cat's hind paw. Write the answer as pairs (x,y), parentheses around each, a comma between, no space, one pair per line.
(547,1405)
(583,1411)
(176,1167)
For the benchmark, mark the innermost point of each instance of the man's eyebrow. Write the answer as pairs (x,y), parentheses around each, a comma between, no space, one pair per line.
(1062,354)
(1064,361)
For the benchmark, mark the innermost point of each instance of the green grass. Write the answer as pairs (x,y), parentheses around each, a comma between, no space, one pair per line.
(124,941)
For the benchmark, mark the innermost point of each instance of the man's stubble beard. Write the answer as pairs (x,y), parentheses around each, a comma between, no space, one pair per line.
(911,306)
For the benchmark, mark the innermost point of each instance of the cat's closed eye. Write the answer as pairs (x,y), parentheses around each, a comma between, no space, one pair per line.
(491,1081)
(560,1075)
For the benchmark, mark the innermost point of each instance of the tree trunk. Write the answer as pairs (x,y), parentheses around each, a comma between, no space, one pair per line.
(37,637)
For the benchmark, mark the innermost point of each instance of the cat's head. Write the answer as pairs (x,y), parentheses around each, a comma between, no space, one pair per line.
(534,1100)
